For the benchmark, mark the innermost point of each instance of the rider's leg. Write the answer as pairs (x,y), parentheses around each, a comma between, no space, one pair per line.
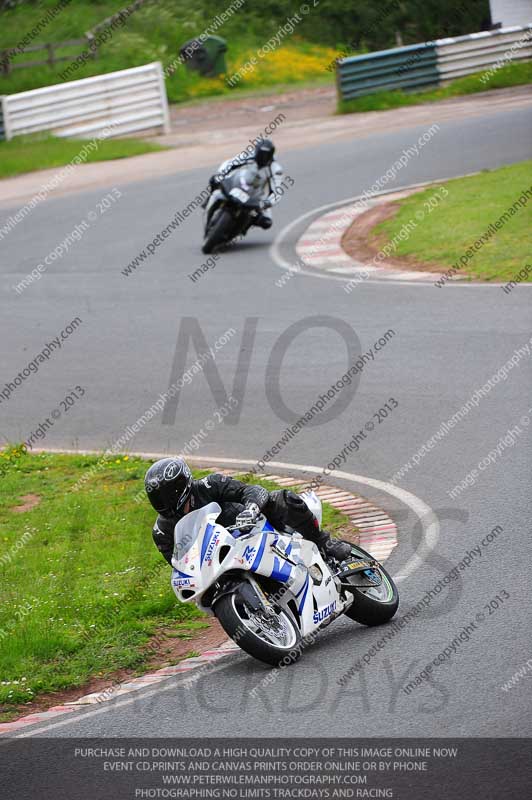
(212,186)
(264,219)
(287,508)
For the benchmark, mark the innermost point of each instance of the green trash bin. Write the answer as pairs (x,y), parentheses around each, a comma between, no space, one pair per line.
(207,57)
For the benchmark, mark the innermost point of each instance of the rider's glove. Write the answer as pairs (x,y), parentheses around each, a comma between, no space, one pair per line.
(248,517)
(214,182)
(266,204)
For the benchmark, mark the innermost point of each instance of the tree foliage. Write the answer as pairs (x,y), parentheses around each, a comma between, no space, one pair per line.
(364,24)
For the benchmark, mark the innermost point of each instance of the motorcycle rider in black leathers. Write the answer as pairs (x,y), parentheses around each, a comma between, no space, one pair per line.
(173,492)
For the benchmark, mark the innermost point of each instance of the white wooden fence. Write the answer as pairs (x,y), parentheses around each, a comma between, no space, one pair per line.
(118,103)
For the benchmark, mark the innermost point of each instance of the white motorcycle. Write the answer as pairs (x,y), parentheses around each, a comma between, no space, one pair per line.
(272,591)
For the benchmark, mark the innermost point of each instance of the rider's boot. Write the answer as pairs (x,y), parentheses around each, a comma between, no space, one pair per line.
(263,221)
(332,548)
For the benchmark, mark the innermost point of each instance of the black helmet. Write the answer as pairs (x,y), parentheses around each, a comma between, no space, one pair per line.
(168,483)
(264,151)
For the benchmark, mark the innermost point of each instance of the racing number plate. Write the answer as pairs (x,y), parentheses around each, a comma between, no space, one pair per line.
(356,565)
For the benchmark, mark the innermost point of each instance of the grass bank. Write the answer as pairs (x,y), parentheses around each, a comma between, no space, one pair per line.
(510,75)
(83,590)
(471,212)
(155,32)
(28,153)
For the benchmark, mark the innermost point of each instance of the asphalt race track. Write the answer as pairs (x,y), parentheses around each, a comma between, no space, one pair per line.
(446,344)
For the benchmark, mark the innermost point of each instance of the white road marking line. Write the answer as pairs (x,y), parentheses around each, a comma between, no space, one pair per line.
(282,263)
(163,686)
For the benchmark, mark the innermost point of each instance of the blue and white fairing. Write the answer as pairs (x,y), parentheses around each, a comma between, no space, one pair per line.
(205,550)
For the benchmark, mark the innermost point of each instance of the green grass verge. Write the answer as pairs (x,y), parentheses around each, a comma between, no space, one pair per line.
(82,587)
(156,32)
(510,75)
(28,153)
(462,217)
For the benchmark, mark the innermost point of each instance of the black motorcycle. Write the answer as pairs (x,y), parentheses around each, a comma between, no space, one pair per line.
(230,213)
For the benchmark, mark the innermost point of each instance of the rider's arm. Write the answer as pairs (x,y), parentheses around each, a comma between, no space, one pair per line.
(228,166)
(163,536)
(222,488)
(225,167)
(275,182)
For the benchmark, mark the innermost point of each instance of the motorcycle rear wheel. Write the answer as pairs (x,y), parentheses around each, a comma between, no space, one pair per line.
(218,232)
(275,642)
(373,605)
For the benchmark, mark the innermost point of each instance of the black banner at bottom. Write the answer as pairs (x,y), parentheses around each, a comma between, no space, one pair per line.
(264,769)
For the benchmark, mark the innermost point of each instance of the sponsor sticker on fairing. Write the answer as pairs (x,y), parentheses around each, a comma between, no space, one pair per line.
(181,583)
(211,548)
(249,553)
(324,613)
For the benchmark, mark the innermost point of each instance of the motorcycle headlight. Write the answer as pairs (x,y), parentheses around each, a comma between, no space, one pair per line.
(315,573)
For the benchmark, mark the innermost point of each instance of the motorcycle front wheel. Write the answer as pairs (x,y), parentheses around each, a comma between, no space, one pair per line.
(373,604)
(218,231)
(273,640)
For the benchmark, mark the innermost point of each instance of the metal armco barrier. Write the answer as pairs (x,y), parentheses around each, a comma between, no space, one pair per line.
(130,100)
(404,68)
(420,66)
(481,51)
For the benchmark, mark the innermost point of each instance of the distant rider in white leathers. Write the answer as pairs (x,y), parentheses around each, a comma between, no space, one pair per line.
(260,175)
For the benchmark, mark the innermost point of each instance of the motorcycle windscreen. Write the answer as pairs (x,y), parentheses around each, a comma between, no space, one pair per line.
(250,180)
(246,178)
(191,526)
